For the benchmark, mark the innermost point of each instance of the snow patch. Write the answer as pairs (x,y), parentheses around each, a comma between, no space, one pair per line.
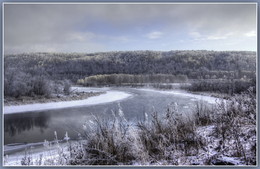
(109,96)
(89,89)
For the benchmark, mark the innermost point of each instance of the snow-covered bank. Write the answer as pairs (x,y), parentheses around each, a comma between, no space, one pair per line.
(109,96)
(183,93)
(89,89)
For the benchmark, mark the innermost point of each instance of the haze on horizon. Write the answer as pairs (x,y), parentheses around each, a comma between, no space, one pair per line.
(118,27)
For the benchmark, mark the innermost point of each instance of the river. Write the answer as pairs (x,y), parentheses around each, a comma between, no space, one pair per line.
(37,126)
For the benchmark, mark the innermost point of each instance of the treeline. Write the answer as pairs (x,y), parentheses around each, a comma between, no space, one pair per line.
(44,73)
(195,64)
(229,86)
(119,79)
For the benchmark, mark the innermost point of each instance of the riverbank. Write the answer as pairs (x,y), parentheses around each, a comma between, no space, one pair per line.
(10,101)
(98,96)
(86,96)
(183,93)
(77,93)
(213,94)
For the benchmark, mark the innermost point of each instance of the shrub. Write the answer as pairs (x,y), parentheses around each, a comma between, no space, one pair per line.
(119,79)
(67,86)
(117,142)
(222,86)
(168,136)
(235,122)
(202,114)
(108,143)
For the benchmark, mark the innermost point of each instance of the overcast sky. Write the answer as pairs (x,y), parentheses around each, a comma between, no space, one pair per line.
(117,27)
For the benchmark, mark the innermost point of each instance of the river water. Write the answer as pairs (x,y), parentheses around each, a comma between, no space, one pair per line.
(37,126)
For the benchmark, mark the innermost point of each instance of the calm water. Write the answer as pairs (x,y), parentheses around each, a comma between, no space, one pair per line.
(36,126)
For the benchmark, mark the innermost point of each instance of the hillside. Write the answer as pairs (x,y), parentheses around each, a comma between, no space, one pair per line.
(45,73)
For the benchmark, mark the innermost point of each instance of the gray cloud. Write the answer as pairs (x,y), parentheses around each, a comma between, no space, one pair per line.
(39,26)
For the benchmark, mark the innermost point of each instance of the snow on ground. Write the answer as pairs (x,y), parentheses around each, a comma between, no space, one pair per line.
(89,89)
(109,96)
(212,148)
(209,99)
(36,154)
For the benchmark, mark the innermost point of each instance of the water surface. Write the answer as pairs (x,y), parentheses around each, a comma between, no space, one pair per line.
(37,126)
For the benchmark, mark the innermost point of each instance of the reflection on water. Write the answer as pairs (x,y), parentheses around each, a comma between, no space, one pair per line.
(17,123)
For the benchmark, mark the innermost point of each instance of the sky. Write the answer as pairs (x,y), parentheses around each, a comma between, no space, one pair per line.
(119,27)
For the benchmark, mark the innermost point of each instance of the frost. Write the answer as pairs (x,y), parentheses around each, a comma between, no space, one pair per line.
(66,137)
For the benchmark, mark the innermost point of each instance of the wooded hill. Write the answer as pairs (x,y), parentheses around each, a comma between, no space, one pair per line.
(31,70)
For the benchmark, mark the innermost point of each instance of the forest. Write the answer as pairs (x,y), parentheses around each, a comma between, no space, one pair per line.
(31,74)
(224,134)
